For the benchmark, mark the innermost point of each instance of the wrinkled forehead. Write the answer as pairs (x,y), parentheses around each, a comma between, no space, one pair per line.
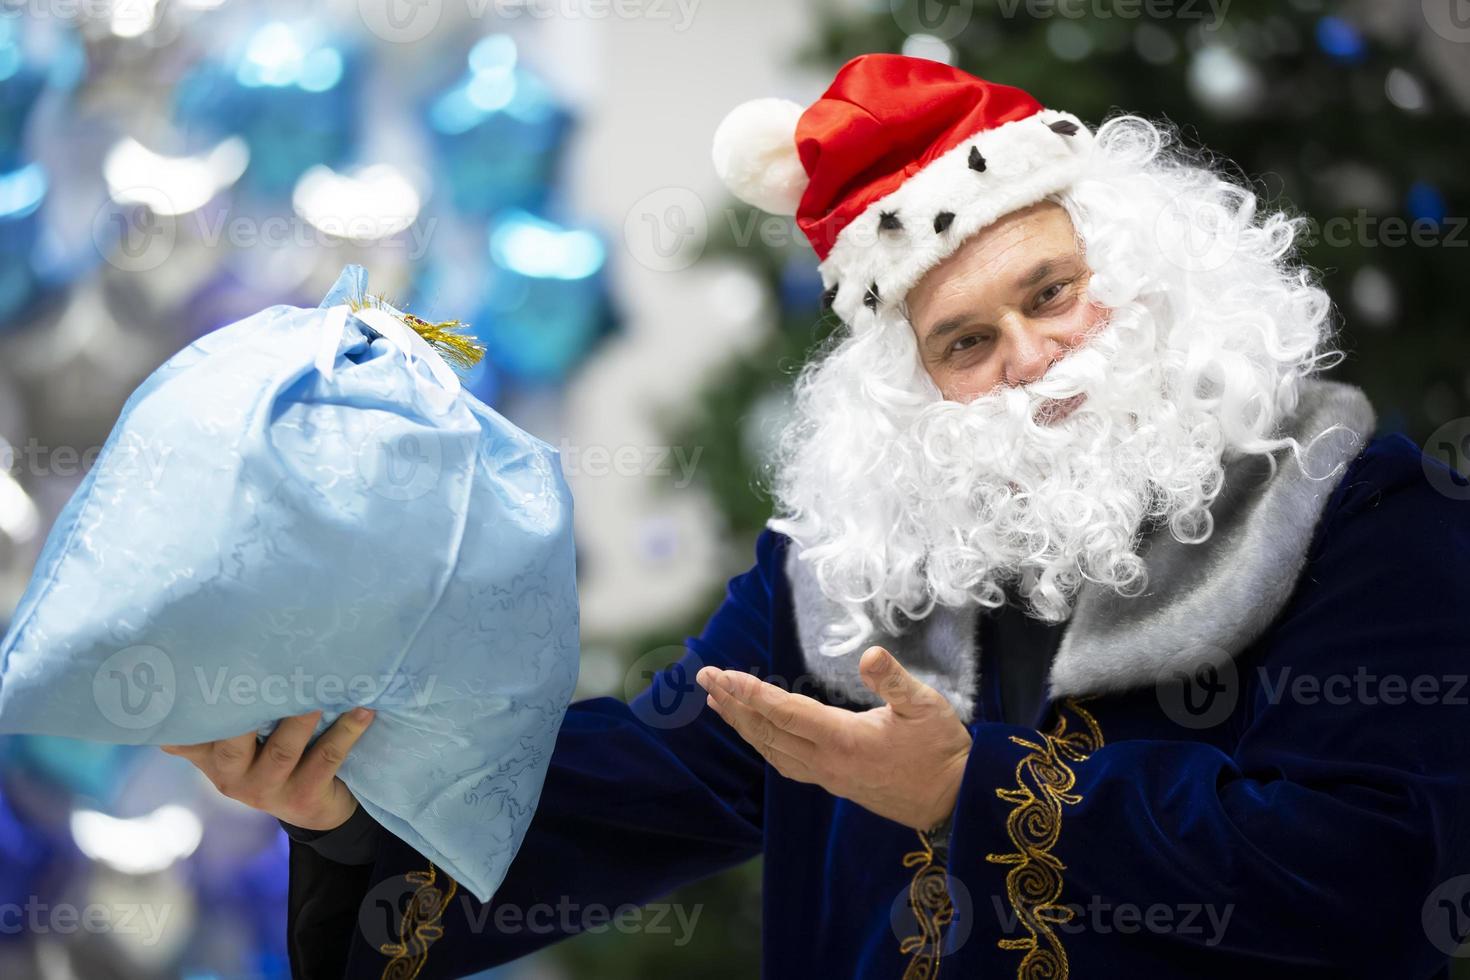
(1016,253)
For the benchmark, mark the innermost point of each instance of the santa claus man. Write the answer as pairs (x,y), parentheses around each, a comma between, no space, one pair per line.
(1092,635)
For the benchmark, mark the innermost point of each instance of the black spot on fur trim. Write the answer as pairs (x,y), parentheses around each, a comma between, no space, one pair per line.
(942,220)
(977,162)
(888,221)
(870,298)
(829,297)
(1065,127)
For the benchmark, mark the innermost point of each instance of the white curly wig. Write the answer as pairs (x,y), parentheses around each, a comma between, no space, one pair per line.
(901,499)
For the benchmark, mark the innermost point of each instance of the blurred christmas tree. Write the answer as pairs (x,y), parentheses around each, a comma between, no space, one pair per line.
(1328,115)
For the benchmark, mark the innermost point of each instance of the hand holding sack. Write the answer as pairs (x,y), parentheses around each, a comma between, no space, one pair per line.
(305,510)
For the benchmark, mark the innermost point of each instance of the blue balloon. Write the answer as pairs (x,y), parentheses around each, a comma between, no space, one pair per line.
(22,191)
(498,133)
(1425,202)
(1340,39)
(87,769)
(800,285)
(291,98)
(25,853)
(545,300)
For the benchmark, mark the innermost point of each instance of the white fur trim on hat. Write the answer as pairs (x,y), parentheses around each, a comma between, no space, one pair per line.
(1023,161)
(755,155)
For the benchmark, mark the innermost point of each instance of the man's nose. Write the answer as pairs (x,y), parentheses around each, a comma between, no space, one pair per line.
(1031,354)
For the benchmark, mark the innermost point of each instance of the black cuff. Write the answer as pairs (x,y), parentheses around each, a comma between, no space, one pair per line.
(354,842)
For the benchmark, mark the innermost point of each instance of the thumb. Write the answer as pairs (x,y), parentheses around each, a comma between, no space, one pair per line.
(900,690)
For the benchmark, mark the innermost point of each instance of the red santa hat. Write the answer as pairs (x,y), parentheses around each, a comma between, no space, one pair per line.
(898,162)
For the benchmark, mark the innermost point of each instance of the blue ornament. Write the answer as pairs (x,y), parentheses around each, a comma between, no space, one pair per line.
(498,133)
(290,95)
(21,84)
(441,287)
(1340,39)
(21,192)
(87,769)
(545,303)
(1426,202)
(25,853)
(800,285)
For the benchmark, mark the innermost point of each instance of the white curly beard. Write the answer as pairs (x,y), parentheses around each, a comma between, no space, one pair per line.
(960,501)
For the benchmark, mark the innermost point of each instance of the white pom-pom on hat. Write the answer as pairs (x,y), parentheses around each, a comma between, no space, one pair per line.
(755,154)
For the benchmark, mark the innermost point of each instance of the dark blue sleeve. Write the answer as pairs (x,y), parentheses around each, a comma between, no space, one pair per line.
(1321,835)
(639,798)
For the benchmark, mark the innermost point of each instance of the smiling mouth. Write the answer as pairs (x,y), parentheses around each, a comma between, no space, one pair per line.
(1054,409)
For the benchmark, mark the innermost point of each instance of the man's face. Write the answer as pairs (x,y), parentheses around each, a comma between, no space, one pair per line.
(1004,306)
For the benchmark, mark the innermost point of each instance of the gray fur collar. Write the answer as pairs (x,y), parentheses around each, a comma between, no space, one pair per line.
(1214,598)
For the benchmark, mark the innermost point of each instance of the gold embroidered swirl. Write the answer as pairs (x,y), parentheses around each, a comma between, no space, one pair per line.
(929,899)
(1044,781)
(419,928)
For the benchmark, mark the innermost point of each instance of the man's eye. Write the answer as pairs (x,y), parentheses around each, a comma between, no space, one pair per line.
(964,342)
(1050,293)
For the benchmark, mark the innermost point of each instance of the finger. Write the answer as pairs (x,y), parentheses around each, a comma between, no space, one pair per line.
(798,714)
(319,766)
(194,753)
(788,765)
(277,759)
(230,758)
(759,730)
(900,690)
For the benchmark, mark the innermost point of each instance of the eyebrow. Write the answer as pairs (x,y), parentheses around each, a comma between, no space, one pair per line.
(1037,273)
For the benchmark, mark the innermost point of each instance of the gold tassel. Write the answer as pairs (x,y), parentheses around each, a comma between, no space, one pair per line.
(447,337)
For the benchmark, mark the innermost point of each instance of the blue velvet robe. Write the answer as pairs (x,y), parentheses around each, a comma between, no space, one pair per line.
(1304,834)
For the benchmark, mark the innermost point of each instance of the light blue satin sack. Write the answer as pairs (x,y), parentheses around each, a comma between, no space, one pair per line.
(299,511)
